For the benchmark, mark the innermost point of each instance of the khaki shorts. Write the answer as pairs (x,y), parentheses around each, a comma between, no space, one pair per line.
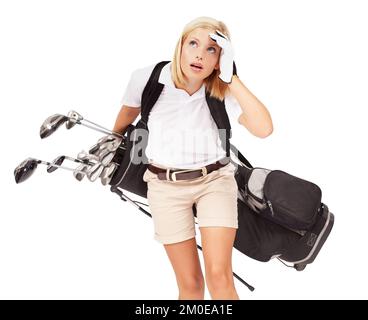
(171,202)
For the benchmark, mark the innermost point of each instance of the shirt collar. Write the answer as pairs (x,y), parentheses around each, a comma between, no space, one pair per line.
(166,79)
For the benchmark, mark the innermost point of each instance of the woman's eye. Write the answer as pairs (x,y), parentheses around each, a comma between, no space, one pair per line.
(210,48)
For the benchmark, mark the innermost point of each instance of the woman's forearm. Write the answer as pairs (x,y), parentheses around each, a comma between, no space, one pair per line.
(255,116)
(126,116)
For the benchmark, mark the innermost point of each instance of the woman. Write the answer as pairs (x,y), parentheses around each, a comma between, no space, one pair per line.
(183,135)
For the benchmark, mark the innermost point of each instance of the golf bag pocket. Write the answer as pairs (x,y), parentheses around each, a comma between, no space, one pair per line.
(133,162)
(285,199)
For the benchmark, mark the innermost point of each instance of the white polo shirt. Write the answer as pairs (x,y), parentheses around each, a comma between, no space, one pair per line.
(182,132)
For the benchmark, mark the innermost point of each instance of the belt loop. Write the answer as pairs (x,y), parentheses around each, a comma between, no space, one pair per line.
(204,171)
(168,174)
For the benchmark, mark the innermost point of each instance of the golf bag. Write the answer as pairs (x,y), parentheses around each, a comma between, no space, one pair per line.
(296,237)
(279,215)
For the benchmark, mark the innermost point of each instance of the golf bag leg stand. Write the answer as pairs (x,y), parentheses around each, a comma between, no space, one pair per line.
(122,196)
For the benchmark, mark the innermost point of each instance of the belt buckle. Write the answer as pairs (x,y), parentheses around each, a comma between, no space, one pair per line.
(173,174)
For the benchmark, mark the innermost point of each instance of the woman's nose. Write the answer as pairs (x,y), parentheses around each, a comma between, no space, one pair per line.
(200,54)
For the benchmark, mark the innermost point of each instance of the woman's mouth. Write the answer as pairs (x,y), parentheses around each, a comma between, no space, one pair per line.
(196,67)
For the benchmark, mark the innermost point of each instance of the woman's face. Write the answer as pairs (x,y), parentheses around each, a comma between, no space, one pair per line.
(199,48)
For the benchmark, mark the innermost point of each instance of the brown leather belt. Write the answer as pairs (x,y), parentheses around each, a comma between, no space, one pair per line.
(185,174)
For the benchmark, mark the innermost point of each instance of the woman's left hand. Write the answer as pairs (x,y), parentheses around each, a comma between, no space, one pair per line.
(227,64)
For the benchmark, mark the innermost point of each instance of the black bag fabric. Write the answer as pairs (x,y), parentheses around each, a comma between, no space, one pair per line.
(132,160)
(306,249)
(262,239)
(259,238)
(283,198)
(291,201)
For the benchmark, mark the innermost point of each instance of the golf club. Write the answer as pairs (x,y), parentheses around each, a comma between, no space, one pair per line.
(107,173)
(83,155)
(59,161)
(80,172)
(94,172)
(52,123)
(109,142)
(105,157)
(26,168)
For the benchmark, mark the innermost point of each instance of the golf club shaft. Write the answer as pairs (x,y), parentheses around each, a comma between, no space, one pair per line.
(100,128)
(79,160)
(55,165)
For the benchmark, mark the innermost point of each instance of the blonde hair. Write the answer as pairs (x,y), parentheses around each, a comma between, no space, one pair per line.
(213,84)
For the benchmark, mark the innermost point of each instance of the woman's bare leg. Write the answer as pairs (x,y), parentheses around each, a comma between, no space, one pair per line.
(185,261)
(217,245)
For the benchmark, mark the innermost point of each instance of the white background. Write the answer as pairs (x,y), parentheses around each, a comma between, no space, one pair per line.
(64,239)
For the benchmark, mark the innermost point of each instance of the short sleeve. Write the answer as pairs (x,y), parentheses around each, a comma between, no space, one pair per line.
(233,108)
(137,82)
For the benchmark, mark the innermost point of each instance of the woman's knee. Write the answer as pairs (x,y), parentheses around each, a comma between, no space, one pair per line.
(218,278)
(192,284)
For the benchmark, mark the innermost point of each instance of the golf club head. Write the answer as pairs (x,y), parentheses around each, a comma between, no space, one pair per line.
(94,149)
(107,173)
(107,158)
(107,138)
(25,169)
(51,124)
(83,155)
(80,172)
(102,147)
(102,153)
(94,172)
(100,143)
(58,161)
(113,145)
(73,118)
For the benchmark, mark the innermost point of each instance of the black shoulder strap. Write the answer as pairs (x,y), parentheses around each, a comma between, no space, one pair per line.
(151,92)
(219,115)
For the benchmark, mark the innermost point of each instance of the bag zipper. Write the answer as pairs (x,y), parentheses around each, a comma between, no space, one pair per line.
(271,208)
